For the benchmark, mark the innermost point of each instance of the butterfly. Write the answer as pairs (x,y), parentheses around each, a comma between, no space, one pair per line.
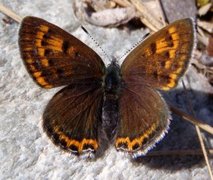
(120,102)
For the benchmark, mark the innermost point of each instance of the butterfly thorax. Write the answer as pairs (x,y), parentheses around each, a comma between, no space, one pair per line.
(110,114)
(112,79)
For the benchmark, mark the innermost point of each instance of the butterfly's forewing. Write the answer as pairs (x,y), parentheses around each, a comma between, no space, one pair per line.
(144,119)
(158,62)
(72,116)
(54,57)
(162,58)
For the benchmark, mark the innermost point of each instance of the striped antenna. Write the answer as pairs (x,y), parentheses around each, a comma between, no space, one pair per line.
(96,43)
(133,47)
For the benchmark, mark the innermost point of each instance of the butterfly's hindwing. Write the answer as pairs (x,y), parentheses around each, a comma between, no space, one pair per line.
(72,117)
(144,119)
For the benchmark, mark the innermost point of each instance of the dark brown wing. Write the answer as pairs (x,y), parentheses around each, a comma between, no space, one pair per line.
(144,119)
(54,57)
(72,116)
(162,58)
(158,62)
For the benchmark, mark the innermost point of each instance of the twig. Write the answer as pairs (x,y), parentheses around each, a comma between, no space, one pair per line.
(205,154)
(10,13)
(201,37)
(162,15)
(185,152)
(122,3)
(200,138)
(207,26)
(192,119)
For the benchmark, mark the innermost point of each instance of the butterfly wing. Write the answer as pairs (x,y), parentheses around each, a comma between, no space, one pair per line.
(72,117)
(158,62)
(144,119)
(162,58)
(54,57)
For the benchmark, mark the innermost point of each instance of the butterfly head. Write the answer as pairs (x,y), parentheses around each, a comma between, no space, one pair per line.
(112,78)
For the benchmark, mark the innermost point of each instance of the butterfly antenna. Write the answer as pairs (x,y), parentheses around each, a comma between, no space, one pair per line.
(96,43)
(133,47)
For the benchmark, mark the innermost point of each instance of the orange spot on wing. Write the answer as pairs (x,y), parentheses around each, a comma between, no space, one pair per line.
(172,30)
(28,48)
(29,61)
(173,76)
(48,86)
(41,81)
(38,42)
(45,62)
(41,51)
(56,39)
(165,88)
(139,140)
(76,143)
(37,74)
(161,45)
(175,44)
(175,37)
(171,84)
(172,53)
(178,70)
(44,28)
(39,35)
(54,47)
(168,64)
(55,42)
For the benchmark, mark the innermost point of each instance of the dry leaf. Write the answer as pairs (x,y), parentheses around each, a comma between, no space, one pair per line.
(204,9)
(208,26)
(111,17)
(201,3)
(104,17)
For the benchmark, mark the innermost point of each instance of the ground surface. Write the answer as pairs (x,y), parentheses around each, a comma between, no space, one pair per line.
(26,153)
